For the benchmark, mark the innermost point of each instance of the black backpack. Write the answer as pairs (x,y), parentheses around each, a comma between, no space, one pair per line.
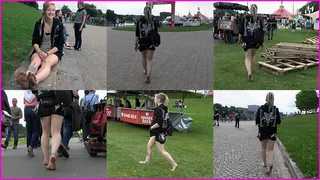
(167,125)
(268,119)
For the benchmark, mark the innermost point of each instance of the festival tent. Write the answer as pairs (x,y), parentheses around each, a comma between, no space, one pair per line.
(200,16)
(314,15)
(282,12)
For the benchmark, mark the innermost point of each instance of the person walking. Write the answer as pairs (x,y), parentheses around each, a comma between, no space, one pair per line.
(32,120)
(267,119)
(145,28)
(5,107)
(157,130)
(16,114)
(251,36)
(79,24)
(216,116)
(237,118)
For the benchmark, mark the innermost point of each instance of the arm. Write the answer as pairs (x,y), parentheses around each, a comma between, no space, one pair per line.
(20,114)
(137,33)
(158,119)
(58,45)
(156,27)
(278,120)
(84,19)
(36,39)
(258,117)
(96,99)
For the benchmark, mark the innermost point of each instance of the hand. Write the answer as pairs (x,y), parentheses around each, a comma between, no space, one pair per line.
(81,28)
(44,55)
(136,47)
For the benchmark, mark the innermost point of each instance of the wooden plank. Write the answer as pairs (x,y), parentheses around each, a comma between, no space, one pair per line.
(270,66)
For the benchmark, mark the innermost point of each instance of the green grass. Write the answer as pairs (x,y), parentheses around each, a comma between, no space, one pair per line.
(22,141)
(230,71)
(169,29)
(18,21)
(192,150)
(299,134)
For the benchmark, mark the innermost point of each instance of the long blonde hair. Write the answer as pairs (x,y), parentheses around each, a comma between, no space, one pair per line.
(46,5)
(254,11)
(148,13)
(163,98)
(270,100)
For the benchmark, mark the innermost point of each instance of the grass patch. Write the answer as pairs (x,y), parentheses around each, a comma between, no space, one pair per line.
(193,150)
(22,141)
(230,71)
(299,134)
(18,21)
(169,29)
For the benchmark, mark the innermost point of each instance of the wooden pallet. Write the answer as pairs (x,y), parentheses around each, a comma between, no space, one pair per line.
(312,41)
(285,65)
(299,47)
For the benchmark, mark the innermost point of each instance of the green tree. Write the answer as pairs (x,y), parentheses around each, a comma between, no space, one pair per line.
(32,4)
(163,15)
(91,10)
(310,4)
(218,106)
(65,9)
(307,100)
(111,15)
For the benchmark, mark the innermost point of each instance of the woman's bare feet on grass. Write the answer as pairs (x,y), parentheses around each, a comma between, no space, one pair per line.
(33,80)
(174,167)
(22,80)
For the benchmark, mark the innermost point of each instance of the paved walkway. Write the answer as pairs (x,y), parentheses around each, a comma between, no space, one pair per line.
(16,164)
(85,69)
(237,153)
(182,61)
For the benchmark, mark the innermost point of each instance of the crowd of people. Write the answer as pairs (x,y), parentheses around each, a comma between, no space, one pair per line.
(49,112)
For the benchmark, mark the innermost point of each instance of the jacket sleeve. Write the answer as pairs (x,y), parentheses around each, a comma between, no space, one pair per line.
(158,117)
(36,39)
(258,117)
(156,27)
(60,39)
(137,29)
(278,120)
(241,26)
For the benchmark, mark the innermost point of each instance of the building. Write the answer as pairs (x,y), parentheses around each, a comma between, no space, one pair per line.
(253,108)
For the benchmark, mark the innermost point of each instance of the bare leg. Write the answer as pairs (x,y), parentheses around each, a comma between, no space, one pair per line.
(56,123)
(248,55)
(167,156)
(149,64)
(253,56)
(264,152)
(144,61)
(270,145)
(45,124)
(22,77)
(151,143)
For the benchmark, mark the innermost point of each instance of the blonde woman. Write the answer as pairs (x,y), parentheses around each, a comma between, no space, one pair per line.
(157,134)
(145,27)
(47,41)
(267,119)
(251,35)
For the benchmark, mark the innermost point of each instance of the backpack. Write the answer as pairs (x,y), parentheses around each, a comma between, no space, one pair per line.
(167,125)
(268,119)
(98,122)
(237,116)
(86,108)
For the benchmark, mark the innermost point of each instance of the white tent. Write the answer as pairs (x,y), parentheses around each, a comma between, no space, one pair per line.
(315,18)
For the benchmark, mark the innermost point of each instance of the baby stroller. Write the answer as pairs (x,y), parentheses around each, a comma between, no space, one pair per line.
(97,138)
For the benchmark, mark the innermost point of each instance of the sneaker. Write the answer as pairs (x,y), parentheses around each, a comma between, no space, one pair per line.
(3,146)
(68,148)
(64,151)
(14,147)
(30,152)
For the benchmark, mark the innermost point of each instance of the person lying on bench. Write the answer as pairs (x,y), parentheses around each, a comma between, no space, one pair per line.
(47,41)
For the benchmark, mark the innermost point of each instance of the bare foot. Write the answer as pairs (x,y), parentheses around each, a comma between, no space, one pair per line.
(264,165)
(250,78)
(269,171)
(22,80)
(148,80)
(33,80)
(52,163)
(174,167)
(45,162)
(144,162)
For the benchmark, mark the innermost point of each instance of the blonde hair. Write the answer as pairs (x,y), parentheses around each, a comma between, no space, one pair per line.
(46,5)
(147,13)
(254,11)
(163,98)
(270,100)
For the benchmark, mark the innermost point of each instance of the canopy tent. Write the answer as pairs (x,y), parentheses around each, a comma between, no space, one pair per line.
(200,15)
(189,15)
(314,15)
(282,12)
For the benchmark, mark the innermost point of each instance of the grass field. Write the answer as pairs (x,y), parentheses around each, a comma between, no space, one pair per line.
(169,29)
(299,134)
(230,71)
(18,21)
(191,150)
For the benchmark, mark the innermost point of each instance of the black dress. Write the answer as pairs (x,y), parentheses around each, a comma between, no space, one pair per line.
(144,31)
(47,104)
(159,116)
(267,121)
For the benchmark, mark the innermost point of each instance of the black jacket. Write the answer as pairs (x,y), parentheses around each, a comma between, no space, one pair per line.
(57,38)
(271,129)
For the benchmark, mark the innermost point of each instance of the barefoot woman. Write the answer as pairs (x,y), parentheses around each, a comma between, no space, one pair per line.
(157,132)
(47,41)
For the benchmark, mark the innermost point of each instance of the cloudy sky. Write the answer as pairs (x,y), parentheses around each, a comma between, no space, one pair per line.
(284,100)
(19,94)
(136,8)
(270,7)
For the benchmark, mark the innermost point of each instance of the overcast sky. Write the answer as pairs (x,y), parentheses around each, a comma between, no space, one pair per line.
(270,7)
(136,8)
(284,100)
(19,94)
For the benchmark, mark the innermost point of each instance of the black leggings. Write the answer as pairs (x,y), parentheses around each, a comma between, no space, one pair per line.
(78,35)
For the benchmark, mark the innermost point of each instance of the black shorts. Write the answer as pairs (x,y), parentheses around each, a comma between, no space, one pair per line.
(251,46)
(267,136)
(143,47)
(160,137)
(48,111)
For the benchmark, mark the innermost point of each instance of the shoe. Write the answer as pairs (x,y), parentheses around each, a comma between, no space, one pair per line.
(269,171)
(14,147)
(68,148)
(30,152)
(64,151)
(3,146)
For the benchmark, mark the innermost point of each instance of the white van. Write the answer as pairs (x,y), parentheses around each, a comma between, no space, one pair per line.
(178,21)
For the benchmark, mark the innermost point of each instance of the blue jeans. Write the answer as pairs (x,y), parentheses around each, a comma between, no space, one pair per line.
(65,33)
(14,128)
(270,33)
(33,126)
(67,132)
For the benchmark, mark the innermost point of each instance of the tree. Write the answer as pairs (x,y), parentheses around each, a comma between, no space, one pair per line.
(307,100)
(111,16)
(91,10)
(218,106)
(32,4)
(232,109)
(65,9)
(310,4)
(100,13)
(163,15)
